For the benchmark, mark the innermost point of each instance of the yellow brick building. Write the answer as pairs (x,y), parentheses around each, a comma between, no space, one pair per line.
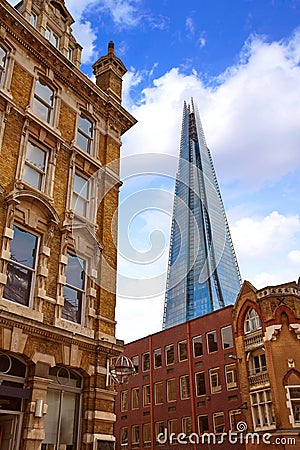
(266,323)
(60,137)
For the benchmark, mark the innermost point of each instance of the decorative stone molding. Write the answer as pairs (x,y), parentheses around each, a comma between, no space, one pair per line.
(43,358)
(271,332)
(296,328)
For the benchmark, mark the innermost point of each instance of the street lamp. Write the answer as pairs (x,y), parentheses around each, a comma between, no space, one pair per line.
(121,368)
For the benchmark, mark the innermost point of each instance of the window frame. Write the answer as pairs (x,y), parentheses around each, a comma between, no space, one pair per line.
(89,138)
(215,371)
(197,374)
(157,358)
(185,390)
(41,172)
(3,69)
(222,337)
(291,400)
(159,393)
(198,423)
(181,354)
(38,100)
(194,346)
(231,368)
(86,201)
(147,434)
(82,290)
(135,401)
(146,395)
(252,324)
(145,363)
(216,415)
(32,270)
(216,341)
(170,398)
(135,432)
(124,400)
(260,406)
(51,35)
(77,391)
(169,348)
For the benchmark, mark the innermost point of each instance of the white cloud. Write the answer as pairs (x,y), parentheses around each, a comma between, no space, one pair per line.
(294,258)
(256,238)
(189,26)
(145,314)
(250,114)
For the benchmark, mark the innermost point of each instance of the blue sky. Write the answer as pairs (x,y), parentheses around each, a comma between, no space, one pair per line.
(240,61)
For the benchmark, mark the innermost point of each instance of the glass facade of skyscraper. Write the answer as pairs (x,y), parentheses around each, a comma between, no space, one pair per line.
(203,274)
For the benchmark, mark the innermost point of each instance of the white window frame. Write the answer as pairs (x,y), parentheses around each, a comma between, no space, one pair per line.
(167,349)
(82,290)
(169,381)
(295,421)
(261,407)
(78,196)
(180,358)
(124,401)
(89,137)
(215,372)
(42,172)
(157,353)
(52,37)
(3,67)
(194,342)
(222,331)
(158,389)
(146,395)
(137,398)
(196,383)
(207,342)
(252,321)
(135,434)
(231,369)
(198,422)
(145,363)
(233,414)
(185,387)
(147,439)
(32,270)
(124,436)
(38,100)
(215,416)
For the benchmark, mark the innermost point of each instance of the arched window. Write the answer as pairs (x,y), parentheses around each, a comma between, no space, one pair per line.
(252,321)
(62,418)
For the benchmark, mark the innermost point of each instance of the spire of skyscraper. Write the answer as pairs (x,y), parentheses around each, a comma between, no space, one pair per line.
(203,273)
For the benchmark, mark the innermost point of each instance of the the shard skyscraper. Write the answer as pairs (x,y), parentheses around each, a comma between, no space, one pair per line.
(203,273)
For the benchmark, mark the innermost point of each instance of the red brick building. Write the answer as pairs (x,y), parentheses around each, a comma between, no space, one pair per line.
(186,382)
(266,323)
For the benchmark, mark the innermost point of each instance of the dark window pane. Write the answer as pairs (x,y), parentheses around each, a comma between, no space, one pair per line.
(72,305)
(17,288)
(23,247)
(75,272)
